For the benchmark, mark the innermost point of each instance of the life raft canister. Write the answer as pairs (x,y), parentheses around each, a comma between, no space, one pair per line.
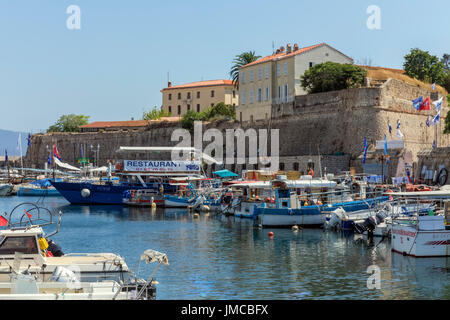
(119,166)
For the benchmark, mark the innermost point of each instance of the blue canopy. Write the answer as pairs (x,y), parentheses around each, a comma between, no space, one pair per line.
(42,183)
(225,173)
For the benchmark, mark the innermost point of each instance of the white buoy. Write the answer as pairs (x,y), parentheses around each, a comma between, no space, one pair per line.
(85,193)
(196,216)
(295,228)
(205,208)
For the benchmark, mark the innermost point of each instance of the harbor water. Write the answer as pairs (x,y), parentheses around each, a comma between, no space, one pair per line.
(218,257)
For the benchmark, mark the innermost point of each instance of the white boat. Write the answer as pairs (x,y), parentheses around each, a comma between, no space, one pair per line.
(24,234)
(64,284)
(428,236)
(6,189)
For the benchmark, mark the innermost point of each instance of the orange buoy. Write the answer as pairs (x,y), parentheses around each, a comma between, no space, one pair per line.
(271,234)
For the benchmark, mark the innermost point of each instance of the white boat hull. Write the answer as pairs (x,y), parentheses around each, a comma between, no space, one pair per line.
(290,220)
(409,240)
(6,189)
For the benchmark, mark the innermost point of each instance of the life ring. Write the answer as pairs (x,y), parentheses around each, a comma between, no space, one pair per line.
(119,166)
(442,177)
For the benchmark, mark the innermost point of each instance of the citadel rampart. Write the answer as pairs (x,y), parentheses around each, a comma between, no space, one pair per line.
(332,124)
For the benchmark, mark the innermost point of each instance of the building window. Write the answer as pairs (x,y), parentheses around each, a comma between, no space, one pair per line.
(259,74)
(234,94)
(240,116)
(212,104)
(198,108)
(250,98)
(285,90)
(267,93)
(243,98)
(281,166)
(279,92)
(251,75)
(311,64)
(188,107)
(285,68)
(278,70)
(259,96)
(212,93)
(179,95)
(296,166)
(267,72)
(242,77)
(198,94)
(188,95)
(170,96)
(170,109)
(179,109)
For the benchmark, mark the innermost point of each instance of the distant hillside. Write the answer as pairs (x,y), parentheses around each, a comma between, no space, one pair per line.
(8,141)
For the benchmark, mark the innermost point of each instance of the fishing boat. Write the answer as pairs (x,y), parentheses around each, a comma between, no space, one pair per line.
(423,236)
(132,175)
(142,198)
(307,202)
(6,189)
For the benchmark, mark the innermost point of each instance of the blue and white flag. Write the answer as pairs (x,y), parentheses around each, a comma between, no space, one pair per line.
(365,150)
(385,149)
(438,104)
(418,102)
(49,160)
(433,86)
(6,156)
(390,128)
(398,124)
(29,139)
(434,144)
(399,133)
(428,121)
(81,152)
(436,118)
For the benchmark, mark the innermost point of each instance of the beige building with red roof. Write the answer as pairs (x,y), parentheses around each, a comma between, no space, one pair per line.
(198,96)
(275,79)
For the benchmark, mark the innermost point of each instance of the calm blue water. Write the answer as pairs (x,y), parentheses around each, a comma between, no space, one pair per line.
(215,257)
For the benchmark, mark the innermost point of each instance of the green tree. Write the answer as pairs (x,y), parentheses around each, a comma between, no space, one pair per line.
(424,66)
(446,61)
(218,111)
(331,76)
(239,61)
(69,123)
(155,114)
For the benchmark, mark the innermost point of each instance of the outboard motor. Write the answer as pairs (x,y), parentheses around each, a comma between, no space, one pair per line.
(371,222)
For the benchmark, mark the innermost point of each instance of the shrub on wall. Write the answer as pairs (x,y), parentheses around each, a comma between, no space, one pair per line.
(330,76)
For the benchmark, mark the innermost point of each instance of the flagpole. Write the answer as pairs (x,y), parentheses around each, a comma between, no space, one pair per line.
(20,146)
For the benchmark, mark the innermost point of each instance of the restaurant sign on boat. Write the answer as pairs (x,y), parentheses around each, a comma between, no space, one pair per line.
(161,165)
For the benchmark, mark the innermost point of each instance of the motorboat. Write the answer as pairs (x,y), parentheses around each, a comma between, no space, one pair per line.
(423,236)
(24,233)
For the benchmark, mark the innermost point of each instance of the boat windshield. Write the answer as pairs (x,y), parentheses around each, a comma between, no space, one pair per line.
(11,245)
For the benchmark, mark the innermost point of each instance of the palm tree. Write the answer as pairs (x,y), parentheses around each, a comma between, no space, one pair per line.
(239,61)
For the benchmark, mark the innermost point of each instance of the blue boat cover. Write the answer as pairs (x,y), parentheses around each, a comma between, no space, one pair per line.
(225,173)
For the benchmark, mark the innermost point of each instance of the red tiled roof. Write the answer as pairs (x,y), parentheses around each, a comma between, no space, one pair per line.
(283,55)
(206,83)
(130,123)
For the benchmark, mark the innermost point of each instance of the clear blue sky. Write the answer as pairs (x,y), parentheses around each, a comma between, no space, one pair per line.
(116,65)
